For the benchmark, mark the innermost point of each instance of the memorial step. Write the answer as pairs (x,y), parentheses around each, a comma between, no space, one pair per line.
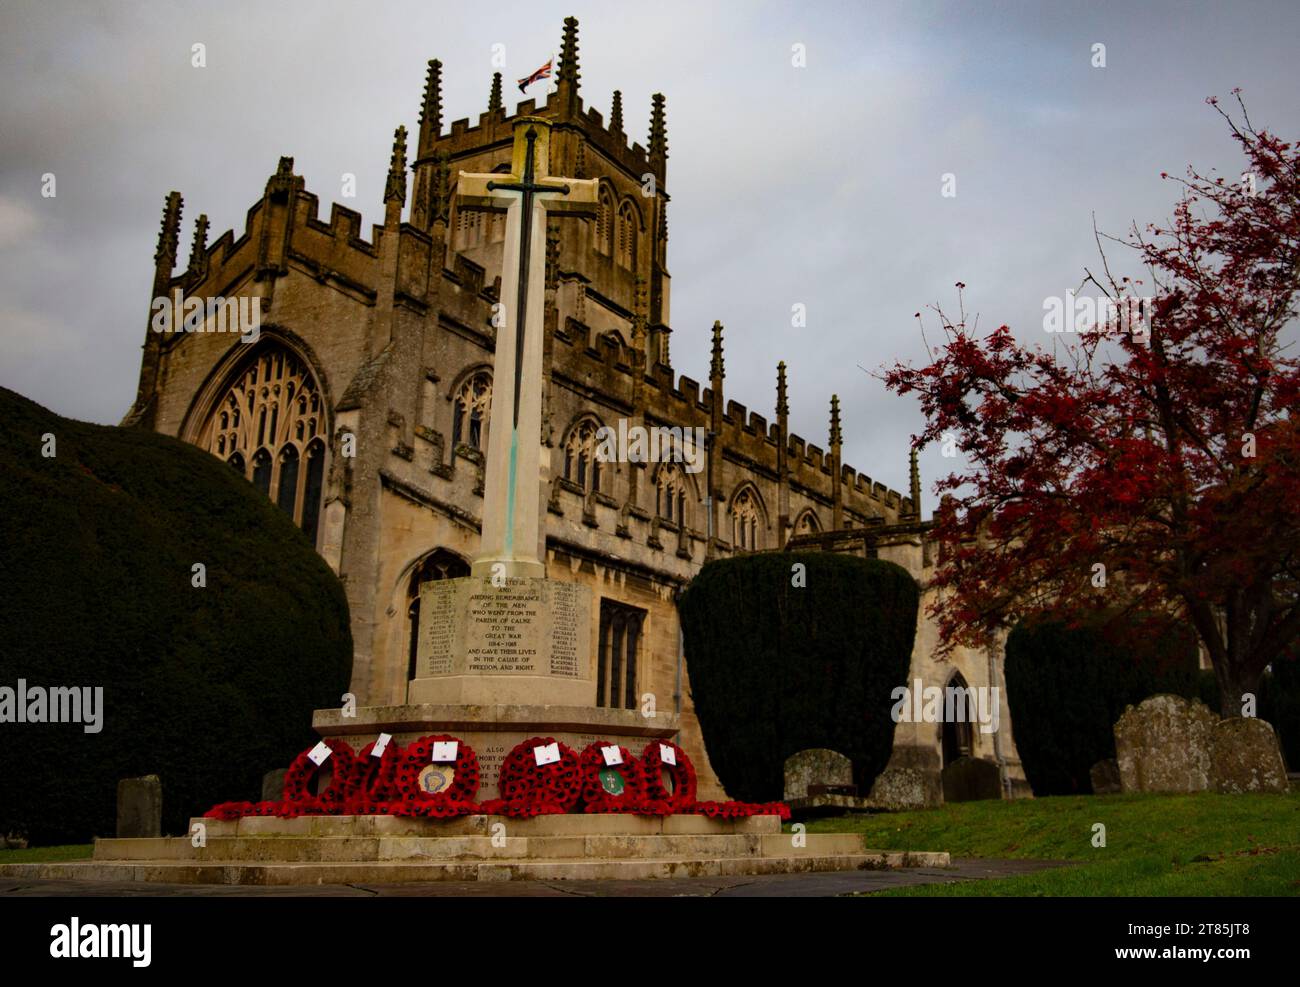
(573,824)
(285,849)
(281,873)
(391,849)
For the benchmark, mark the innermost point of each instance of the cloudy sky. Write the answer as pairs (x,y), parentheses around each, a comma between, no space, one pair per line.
(818,185)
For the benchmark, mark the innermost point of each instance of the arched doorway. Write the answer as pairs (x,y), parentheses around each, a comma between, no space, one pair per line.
(957,738)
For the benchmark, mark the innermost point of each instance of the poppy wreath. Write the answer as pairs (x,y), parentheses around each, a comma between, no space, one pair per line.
(526,785)
(230,810)
(682,774)
(242,810)
(418,756)
(594,795)
(272,809)
(374,779)
(739,810)
(302,772)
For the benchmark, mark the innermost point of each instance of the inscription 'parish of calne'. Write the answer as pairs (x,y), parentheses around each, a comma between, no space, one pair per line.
(525,627)
(508,623)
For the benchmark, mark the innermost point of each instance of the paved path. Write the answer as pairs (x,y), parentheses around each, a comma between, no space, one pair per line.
(817,885)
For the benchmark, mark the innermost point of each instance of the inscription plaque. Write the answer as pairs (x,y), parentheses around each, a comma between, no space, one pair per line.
(523,627)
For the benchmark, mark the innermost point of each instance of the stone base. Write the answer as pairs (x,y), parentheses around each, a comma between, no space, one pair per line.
(516,640)
(389,849)
(493,730)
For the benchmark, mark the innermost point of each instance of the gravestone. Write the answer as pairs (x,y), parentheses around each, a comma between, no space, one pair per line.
(971,779)
(911,780)
(903,789)
(1104,776)
(139,807)
(818,771)
(1164,745)
(1245,757)
(273,785)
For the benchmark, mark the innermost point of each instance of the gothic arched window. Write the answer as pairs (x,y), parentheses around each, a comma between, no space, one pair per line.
(745,515)
(627,232)
(670,494)
(269,426)
(312,488)
(605,223)
(807,524)
(470,411)
(582,462)
(616,657)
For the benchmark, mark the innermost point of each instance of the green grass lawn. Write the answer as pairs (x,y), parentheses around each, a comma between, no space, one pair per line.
(1202,844)
(47,854)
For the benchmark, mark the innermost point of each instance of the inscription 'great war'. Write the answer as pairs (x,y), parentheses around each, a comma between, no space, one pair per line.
(525,627)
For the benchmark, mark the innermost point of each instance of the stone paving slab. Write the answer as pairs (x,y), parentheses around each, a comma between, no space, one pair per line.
(827,884)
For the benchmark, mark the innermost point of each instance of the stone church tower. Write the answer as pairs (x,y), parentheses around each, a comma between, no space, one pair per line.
(364,405)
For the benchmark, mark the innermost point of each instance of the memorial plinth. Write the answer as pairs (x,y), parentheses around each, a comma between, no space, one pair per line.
(498,661)
(492,729)
(514,640)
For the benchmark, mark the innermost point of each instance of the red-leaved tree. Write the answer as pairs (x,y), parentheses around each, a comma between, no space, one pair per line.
(1149,465)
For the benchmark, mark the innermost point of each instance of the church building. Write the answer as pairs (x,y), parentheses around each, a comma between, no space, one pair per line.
(364,407)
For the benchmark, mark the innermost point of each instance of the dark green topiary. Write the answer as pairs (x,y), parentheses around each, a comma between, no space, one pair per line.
(1282,696)
(776,669)
(207,688)
(1067,686)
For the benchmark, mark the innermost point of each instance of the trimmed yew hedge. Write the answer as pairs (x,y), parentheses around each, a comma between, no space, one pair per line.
(1067,686)
(207,688)
(775,669)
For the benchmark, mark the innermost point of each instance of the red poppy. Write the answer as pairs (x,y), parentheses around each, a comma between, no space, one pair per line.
(529,788)
(303,772)
(681,776)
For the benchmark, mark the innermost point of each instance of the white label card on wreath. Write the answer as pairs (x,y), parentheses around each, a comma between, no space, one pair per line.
(547,753)
(319,753)
(444,750)
(381,745)
(667,754)
(612,755)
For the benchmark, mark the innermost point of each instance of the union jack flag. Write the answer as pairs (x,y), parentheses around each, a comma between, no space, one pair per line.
(543,73)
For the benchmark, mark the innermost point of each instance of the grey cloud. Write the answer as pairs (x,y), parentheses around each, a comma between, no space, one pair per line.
(817,185)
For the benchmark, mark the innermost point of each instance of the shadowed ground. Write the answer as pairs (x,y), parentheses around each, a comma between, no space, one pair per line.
(778,885)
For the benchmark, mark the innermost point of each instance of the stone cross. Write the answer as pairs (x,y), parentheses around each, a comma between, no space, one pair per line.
(512,494)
